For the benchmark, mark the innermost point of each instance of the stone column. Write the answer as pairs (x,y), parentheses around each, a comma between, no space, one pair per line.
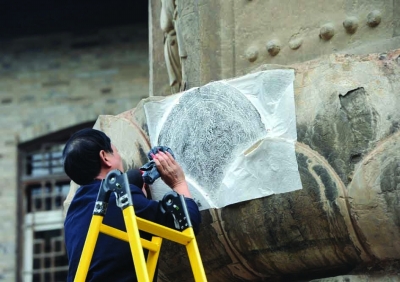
(227,38)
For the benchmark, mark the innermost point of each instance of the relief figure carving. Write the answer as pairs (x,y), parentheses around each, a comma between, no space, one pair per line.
(174,49)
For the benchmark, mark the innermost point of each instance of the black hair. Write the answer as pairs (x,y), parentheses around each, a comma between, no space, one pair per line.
(81,154)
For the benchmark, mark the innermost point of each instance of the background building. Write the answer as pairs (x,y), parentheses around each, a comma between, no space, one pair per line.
(61,65)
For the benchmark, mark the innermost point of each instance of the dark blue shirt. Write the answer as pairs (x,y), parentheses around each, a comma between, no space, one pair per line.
(112,258)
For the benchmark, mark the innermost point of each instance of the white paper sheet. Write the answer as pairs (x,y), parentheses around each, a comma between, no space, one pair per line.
(233,138)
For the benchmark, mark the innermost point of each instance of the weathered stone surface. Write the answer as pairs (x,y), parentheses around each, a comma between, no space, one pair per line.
(347,119)
(298,235)
(347,213)
(345,105)
(218,34)
(374,197)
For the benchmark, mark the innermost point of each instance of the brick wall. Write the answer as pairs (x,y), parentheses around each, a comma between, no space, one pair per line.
(48,83)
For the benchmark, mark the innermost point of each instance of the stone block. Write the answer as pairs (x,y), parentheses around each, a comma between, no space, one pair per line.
(224,39)
(346,215)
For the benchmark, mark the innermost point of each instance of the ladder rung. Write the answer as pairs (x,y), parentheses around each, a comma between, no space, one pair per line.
(116,233)
(164,232)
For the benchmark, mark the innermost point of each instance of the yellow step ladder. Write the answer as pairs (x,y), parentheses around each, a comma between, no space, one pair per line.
(117,182)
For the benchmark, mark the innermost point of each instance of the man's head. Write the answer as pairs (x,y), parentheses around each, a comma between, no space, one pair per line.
(88,155)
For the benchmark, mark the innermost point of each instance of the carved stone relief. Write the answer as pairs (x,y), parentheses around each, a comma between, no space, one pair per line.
(174,49)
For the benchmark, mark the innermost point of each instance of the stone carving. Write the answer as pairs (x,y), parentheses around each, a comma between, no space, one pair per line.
(295,43)
(374,18)
(218,34)
(350,24)
(345,220)
(251,53)
(347,214)
(174,49)
(327,31)
(273,47)
(348,155)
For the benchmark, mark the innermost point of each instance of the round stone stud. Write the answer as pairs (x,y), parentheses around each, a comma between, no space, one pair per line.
(350,24)
(295,43)
(374,18)
(327,31)
(251,53)
(273,47)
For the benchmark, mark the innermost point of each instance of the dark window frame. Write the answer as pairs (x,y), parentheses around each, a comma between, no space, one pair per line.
(24,149)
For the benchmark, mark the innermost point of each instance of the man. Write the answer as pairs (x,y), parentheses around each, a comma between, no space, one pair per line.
(88,157)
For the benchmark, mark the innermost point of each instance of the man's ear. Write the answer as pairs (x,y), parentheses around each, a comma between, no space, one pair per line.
(105,160)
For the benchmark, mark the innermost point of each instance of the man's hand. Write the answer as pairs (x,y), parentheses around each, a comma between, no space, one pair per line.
(171,173)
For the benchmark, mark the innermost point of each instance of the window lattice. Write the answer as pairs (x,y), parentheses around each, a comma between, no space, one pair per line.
(49,258)
(46,186)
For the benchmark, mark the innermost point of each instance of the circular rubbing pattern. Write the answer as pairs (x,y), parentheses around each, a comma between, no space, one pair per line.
(208,128)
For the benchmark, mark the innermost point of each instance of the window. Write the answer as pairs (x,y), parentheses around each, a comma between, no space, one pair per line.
(44,187)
